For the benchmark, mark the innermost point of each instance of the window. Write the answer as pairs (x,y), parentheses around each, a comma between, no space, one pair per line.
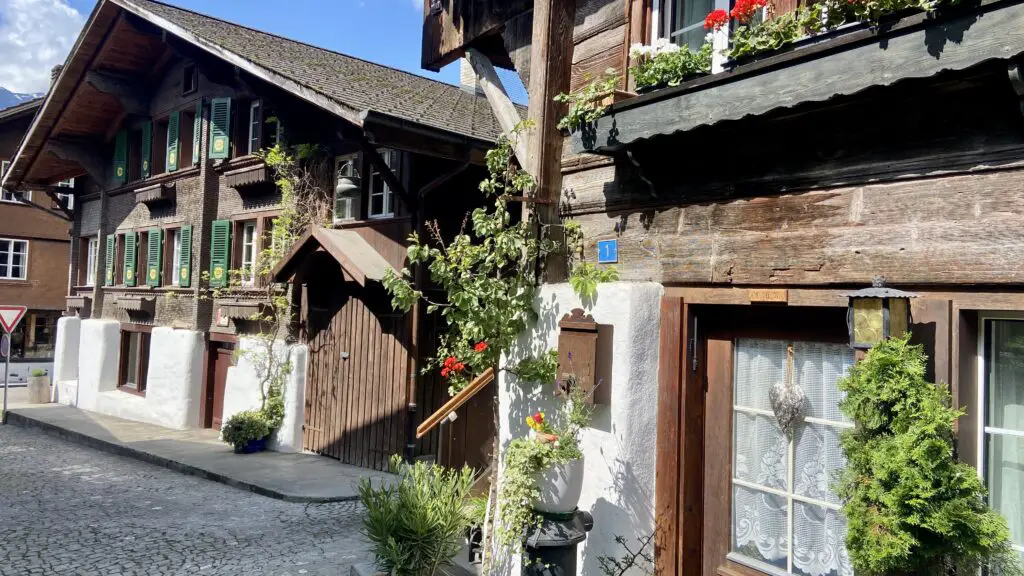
(683,20)
(1001,439)
(248,261)
(347,191)
(382,200)
(4,165)
(14,196)
(190,79)
(69,183)
(255,123)
(67,201)
(785,519)
(34,337)
(134,361)
(92,252)
(13,259)
(175,240)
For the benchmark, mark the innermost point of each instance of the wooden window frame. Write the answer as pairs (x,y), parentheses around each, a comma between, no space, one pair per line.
(143,333)
(387,193)
(90,259)
(261,239)
(171,264)
(189,75)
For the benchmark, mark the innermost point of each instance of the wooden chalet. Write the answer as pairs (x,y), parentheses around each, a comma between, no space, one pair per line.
(159,114)
(752,201)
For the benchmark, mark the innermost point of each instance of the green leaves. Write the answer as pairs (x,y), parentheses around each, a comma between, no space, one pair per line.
(669,67)
(586,105)
(416,524)
(911,507)
(586,276)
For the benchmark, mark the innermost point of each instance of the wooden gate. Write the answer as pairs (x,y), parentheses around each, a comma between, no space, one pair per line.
(357,373)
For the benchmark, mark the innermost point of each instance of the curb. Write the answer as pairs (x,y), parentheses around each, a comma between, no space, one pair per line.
(22,421)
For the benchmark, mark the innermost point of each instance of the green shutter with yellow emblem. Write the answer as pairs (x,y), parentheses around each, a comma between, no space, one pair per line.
(130,247)
(108,277)
(220,128)
(154,249)
(220,251)
(120,157)
(197,129)
(147,148)
(185,260)
(173,134)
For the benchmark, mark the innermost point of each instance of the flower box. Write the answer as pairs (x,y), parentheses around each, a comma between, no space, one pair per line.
(615,96)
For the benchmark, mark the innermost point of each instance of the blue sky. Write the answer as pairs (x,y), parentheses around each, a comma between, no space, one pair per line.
(383,31)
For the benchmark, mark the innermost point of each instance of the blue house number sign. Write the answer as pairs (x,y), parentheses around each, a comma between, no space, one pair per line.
(607,251)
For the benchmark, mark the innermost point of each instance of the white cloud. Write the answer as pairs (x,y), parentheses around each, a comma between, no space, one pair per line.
(35,35)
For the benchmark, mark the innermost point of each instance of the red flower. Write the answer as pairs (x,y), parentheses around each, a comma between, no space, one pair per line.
(445,372)
(538,417)
(458,367)
(716,19)
(744,10)
(480,347)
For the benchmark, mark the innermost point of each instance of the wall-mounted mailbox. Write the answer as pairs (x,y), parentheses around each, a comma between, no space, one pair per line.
(577,350)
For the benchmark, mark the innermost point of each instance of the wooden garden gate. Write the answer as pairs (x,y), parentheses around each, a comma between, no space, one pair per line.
(358,368)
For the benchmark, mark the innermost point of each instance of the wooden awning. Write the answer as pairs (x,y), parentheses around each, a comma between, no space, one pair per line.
(137,303)
(155,193)
(247,176)
(355,255)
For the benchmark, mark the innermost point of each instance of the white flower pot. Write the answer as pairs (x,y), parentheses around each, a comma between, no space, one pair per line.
(560,487)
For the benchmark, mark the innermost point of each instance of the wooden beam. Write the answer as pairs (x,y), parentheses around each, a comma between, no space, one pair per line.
(81,152)
(667,469)
(918,47)
(132,95)
(370,151)
(458,400)
(504,109)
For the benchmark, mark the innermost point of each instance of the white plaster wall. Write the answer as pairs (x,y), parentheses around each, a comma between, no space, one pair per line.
(65,358)
(619,447)
(174,382)
(242,391)
(100,346)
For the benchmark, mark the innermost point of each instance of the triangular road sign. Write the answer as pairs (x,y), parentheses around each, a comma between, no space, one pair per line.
(10,316)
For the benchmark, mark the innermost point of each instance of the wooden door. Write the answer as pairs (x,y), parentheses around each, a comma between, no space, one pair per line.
(223,357)
(358,369)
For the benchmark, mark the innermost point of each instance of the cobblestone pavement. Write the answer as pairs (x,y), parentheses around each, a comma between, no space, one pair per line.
(68,509)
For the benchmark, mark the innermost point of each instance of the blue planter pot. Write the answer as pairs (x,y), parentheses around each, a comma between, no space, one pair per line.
(252,446)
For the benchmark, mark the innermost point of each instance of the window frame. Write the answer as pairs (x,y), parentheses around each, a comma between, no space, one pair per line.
(186,77)
(15,197)
(387,194)
(248,277)
(255,124)
(173,236)
(6,275)
(92,253)
(985,431)
(138,387)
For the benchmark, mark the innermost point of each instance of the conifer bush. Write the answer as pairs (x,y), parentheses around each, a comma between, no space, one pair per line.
(911,507)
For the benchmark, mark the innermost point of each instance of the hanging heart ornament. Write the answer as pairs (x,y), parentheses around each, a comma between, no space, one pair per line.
(787,399)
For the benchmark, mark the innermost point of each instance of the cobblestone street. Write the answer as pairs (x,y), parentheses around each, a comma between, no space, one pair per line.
(68,509)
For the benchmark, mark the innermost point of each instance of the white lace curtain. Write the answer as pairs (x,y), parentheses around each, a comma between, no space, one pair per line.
(781,487)
(1005,424)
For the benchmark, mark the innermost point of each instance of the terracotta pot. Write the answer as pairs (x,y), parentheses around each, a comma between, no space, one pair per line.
(560,487)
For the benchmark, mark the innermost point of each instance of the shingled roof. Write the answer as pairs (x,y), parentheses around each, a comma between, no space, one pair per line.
(350,82)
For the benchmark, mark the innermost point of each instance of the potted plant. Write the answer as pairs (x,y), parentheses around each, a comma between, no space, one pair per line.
(247,431)
(663,64)
(544,471)
(38,386)
(589,103)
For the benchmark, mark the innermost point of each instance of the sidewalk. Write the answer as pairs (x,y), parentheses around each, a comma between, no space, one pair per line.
(289,477)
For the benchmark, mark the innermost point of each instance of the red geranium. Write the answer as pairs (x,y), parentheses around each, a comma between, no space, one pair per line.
(716,19)
(451,364)
(480,347)
(745,10)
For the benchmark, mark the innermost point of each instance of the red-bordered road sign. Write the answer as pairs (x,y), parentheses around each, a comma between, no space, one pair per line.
(10,316)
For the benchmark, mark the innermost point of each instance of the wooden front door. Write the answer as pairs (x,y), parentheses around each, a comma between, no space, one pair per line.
(358,369)
(746,498)
(223,357)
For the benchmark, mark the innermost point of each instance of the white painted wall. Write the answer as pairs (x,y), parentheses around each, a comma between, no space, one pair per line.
(65,359)
(619,448)
(242,391)
(97,361)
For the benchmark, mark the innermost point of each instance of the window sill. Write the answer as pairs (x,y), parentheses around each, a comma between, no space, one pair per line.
(239,162)
(344,224)
(13,281)
(155,179)
(132,391)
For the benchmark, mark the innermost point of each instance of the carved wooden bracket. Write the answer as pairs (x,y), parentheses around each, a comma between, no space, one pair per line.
(134,98)
(81,152)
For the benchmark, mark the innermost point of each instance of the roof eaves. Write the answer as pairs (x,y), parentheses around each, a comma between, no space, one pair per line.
(20,109)
(304,92)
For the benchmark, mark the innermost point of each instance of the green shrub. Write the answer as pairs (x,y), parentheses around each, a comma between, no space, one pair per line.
(246,426)
(911,507)
(416,524)
(37,372)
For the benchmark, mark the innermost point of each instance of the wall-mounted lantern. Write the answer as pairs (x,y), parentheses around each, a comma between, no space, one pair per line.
(877,313)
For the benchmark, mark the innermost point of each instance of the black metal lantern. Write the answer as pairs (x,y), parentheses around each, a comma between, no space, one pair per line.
(877,313)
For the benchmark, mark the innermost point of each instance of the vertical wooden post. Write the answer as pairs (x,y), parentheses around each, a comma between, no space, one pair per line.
(550,71)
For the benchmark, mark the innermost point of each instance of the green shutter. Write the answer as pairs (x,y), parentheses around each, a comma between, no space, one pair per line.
(147,148)
(220,128)
(120,157)
(220,252)
(197,129)
(173,129)
(111,251)
(155,241)
(185,264)
(130,246)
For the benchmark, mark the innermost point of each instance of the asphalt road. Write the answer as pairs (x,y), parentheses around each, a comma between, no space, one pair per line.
(68,509)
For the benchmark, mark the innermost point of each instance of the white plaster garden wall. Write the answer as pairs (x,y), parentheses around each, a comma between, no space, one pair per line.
(174,378)
(242,391)
(65,359)
(619,447)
